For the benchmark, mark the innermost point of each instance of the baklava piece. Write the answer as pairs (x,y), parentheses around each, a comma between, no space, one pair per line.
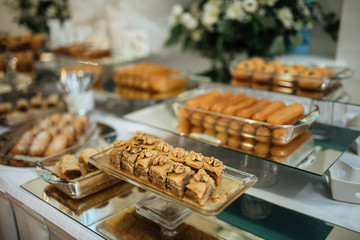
(55,117)
(178,155)
(39,144)
(129,157)
(22,105)
(159,170)
(36,101)
(195,160)
(52,100)
(200,187)
(163,148)
(144,162)
(70,133)
(214,168)
(70,167)
(5,108)
(23,144)
(144,141)
(57,144)
(115,154)
(84,156)
(177,179)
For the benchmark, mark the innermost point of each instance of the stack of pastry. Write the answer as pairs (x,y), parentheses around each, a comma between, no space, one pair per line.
(276,76)
(241,121)
(151,79)
(170,169)
(51,135)
(23,47)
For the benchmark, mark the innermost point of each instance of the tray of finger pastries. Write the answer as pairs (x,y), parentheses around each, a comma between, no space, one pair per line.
(300,78)
(246,115)
(201,183)
(29,107)
(24,145)
(70,172)
(146,80)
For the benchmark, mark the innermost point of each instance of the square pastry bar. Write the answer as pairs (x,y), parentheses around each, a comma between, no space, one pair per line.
(200,183)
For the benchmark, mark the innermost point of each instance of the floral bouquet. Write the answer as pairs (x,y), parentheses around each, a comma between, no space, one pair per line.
(33,14)
(220,29)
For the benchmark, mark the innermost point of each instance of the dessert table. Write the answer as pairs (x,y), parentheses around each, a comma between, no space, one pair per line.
(295,192)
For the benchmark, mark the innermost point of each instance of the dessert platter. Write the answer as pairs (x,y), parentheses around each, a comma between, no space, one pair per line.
(146,80)
(319,81)
(264,127)
(200,183)
(24,145)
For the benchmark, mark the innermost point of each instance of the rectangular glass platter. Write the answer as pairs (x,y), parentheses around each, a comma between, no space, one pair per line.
(78,188)
(10,138)
(329,141)
(233,184)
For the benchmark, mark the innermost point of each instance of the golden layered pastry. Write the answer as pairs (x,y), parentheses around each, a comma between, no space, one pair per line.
(172,169)
(148,81)
(245,108)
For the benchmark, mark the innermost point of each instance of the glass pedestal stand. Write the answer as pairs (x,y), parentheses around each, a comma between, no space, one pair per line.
(167,214)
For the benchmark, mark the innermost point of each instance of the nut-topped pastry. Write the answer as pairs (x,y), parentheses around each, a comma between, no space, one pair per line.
(164,148)
(144,162)
(142,140)
(214,168)
(116,153)
(195,160)
(200,187)
(178,155)
(177,179)
(159,170)
(128,158)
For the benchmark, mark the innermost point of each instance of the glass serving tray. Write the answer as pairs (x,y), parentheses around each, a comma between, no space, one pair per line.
(10,138)
(233,184)
(90,183)
(315,87)
(248,128)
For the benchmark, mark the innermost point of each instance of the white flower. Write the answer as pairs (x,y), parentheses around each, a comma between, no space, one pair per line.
(235,11)
(189,21)
(285,16)
(176,12)
(196,35)
(211,13)
(250,5)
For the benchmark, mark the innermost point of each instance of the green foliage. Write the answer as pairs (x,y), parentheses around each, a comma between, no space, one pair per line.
(34,14)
